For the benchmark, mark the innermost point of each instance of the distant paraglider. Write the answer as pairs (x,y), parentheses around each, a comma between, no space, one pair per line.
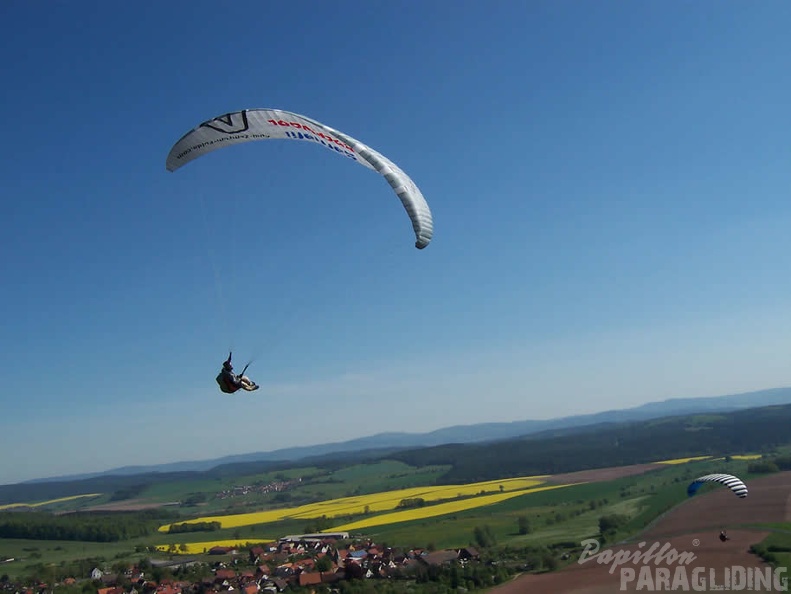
(734,483)
(266,124)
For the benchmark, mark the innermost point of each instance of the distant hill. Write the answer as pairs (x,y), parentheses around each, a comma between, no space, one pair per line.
(481,432)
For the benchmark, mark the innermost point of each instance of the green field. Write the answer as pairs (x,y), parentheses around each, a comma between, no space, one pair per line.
(57,552)
(776,548)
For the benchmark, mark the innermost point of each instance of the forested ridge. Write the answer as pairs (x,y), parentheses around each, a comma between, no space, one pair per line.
(751,430)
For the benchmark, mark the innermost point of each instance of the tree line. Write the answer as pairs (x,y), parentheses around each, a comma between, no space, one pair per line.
(194,527)
(767,465)
(106,527)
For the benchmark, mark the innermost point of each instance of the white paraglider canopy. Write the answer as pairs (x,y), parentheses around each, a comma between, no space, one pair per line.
(269,124)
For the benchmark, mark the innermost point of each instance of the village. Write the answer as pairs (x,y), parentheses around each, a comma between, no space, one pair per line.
(293,562)
(273,487)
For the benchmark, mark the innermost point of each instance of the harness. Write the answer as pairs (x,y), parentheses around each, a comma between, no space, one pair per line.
(227,385)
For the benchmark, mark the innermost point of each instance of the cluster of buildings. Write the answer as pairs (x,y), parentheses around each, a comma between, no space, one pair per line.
(301,560)
(308,559)
(273,487)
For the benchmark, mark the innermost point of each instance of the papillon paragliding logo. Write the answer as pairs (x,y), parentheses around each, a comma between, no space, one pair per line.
(230,123)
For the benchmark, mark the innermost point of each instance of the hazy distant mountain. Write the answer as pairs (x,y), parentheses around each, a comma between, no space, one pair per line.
(470,433)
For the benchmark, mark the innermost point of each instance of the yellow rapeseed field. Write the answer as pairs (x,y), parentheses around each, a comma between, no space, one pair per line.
(438,510)
(196,548)
(683,460)
(375,502)
(696,458)
(50,502)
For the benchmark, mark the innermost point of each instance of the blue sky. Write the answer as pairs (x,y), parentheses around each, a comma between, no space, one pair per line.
(609,183)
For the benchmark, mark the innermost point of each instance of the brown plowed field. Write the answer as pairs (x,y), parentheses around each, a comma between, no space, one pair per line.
(127,505)
(602,474)
(690,528)
(768,501)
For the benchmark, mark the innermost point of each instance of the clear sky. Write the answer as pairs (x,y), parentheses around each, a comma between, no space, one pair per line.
(610,189)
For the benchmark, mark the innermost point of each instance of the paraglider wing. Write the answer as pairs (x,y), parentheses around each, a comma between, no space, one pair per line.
(268,124)
(735,484)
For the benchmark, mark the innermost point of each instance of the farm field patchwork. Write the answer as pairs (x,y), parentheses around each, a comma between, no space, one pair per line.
(375,502)
(558,508)
(440,509)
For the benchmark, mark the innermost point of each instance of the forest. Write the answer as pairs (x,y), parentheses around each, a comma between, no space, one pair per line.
(91,527)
